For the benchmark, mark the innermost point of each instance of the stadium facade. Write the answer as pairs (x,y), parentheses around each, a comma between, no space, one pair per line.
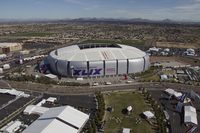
(88,60)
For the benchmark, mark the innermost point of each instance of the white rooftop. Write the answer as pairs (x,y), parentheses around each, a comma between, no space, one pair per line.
(11,127)
(5,44)
(99,53)
(163,77)
(148,114)
(126,130)
(14,92)
(51,99)
(34,109)
(173,93)
(51,76)
(60,119)
(190,115)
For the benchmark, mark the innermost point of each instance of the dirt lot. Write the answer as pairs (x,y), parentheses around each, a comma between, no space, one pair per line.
(177,45)
(182,60)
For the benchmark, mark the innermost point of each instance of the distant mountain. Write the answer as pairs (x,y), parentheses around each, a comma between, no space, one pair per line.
(110,20)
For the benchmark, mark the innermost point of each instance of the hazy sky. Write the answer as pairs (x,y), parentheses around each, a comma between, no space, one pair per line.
(59,9)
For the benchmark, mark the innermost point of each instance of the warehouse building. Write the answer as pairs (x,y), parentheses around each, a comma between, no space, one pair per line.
(65,119)
(10,47)
(87,60)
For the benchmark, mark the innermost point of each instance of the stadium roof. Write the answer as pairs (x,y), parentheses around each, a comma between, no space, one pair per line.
(96,52)
(60,119)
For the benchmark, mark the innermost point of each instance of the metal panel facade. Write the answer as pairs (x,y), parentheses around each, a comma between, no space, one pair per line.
(110,67)
(96,68)
(136,65)
(62,67)
(122,66)
(78,68)
(147,62)
(52,63)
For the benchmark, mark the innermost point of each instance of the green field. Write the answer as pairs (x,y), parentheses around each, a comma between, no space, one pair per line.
(120,101)
(149,75)
(126,42)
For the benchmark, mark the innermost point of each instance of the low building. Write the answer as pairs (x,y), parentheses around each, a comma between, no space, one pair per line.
(174,93)
(126,130)
(10,47)
(11,127)
(34,109)
(190,52)
(65,119)
(148,114)
(190,116)
(51,100)
(163,77)
(3,56)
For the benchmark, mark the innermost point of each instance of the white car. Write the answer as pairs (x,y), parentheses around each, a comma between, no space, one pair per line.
(95,84)
(128,81)
(108,83)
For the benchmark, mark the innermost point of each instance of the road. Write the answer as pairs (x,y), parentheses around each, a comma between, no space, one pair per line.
(74,90)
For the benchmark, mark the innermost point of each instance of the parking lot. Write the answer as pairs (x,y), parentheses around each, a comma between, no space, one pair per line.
(5,98)
(13,107)
(176,119)
(171,51)
(86,103)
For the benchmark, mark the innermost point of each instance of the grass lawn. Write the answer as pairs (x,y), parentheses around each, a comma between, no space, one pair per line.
(152,77)
(150,74)
(167,72)
(120,101)
(34,34)
(126,42)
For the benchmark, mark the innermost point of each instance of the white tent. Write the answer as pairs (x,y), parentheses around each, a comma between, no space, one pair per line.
(51,76)
(129,108)
(51,99)
(65,119)
(11,127)
(163,77)
(173,93)
(34,109)
(148,114)
(126,130)
(43,101)
(14,92)
(190,115)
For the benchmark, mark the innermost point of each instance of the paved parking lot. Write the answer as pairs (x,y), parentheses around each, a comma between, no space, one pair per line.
(5,98)
(176,118)
(13,107)
(86,103)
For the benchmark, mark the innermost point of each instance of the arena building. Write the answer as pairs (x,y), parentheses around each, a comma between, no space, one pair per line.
(86,60)
(10,47)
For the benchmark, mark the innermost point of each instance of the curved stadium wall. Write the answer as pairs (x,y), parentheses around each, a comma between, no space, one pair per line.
(88,60)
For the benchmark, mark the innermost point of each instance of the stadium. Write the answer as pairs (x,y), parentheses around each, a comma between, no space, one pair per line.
(88,60)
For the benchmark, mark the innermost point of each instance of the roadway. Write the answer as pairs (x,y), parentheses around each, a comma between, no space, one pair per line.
(74,90)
